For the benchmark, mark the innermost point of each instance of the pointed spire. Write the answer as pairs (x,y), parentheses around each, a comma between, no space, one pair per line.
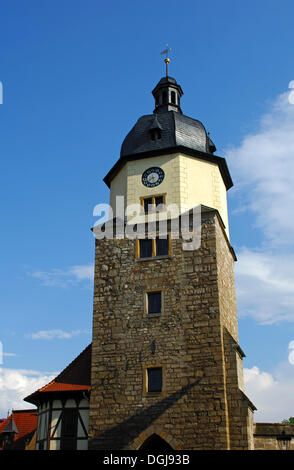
(167,59)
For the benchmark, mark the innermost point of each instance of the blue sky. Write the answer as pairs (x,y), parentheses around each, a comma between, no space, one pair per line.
(76,75)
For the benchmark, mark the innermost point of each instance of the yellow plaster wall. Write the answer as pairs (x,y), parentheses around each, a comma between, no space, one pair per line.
(188,182)
(204,185)
(118,186)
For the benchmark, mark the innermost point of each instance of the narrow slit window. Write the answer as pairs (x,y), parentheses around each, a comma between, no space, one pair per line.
(154,302)
(159,201)
(148,204)
(154,379)
(155,134)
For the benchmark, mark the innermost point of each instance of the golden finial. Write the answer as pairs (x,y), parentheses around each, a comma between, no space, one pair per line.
(167,59)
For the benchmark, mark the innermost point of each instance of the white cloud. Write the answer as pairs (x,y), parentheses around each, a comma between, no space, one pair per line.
(262,380)
(291,353)
(71,276)
(16,384)
(272,394)
(291,358)
(83,272)
(55,334)
(263,168)
(265,285)
(263,165)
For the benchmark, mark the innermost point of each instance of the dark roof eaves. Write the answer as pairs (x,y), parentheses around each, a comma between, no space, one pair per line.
(179,148)
(36,397)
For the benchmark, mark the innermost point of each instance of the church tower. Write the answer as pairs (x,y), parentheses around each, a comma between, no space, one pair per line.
(166,363)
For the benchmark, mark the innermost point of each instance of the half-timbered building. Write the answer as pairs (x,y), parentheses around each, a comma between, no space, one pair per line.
(63,407)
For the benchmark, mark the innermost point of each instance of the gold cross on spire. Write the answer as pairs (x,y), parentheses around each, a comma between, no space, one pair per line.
(167,59)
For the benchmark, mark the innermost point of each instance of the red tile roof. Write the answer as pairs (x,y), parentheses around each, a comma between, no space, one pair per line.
(62,387)
(75,377)
(25,422)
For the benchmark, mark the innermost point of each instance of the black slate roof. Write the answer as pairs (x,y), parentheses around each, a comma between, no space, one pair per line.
(176,130)
(168,131)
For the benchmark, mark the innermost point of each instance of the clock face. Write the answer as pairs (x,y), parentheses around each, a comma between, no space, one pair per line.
(152,177)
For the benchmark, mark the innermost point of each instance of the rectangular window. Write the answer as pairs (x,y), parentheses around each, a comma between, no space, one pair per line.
(145,248)
(154,379)
(162,246)
(153,203)
(154,302)
(148,248)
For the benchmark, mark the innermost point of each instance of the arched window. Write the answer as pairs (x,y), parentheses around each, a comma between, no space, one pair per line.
(155,134)
(173,97)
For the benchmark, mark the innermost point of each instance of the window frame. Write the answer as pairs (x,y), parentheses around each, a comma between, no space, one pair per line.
(153,197)
(147,393)
(146,303)
(138,249)
(173,97)
(154,249)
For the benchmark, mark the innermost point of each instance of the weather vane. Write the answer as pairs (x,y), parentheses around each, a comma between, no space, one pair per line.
(167,59)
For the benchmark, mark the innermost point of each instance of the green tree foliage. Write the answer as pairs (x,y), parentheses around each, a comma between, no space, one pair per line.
(288,421)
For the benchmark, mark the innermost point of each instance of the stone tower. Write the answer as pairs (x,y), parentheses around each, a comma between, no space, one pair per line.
(166,363)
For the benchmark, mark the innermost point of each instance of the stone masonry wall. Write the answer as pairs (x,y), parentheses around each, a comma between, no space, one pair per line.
(265,435)
(239,408)
(192,411)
